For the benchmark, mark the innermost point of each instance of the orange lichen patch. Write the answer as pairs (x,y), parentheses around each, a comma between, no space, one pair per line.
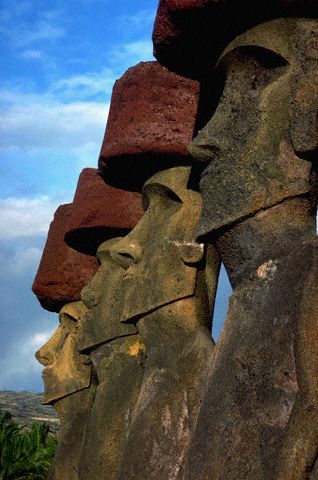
(136,348)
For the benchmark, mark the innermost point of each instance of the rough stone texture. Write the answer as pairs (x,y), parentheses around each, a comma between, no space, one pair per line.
(103,295)
(259,415)
(69,447)
(173,320)
(253,144)
(174,377)
(99,212)
(67,371)
(119,367)
(62,272)
(69,387)
(151,379)
(151,121)
(189,35)
(117,353)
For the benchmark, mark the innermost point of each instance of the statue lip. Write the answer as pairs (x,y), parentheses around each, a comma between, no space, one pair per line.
(45,374)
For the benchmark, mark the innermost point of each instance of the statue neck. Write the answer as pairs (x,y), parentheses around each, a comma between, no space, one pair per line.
(269,235)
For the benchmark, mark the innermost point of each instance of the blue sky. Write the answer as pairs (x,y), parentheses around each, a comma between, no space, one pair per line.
(59,62)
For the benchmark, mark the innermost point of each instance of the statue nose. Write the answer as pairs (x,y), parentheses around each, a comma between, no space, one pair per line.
(45,356)
(126,253)
(204,148)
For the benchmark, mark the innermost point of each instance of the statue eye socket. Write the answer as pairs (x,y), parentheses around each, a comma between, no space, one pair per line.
(68,325)
(160,194)
(267,58)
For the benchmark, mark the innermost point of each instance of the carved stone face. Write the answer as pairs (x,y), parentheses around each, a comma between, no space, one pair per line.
(103,297)
(154,265)
(67,371)
(159,256)
(265,123)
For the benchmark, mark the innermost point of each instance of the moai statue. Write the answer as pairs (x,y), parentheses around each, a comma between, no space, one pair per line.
(169,296)
(152,332)
(259,416)
(69,387)
(117,354)
(70,381)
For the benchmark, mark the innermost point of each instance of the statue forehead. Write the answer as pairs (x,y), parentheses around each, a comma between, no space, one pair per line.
(276,35)
(175,179)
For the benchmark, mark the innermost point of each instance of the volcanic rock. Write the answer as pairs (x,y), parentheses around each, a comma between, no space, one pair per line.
(189,35)
(100,212)
(63,272)
(151,121)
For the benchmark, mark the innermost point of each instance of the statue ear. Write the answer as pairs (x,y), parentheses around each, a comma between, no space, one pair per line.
(304,121)
(190,252)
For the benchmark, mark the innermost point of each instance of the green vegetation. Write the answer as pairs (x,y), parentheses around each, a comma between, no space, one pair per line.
(24,454)
(26,408)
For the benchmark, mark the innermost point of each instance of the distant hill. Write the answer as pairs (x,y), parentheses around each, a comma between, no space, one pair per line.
(26,408)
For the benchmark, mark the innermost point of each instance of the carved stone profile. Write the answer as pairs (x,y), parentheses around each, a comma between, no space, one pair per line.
(160,289)
(69,388)
(259,207)
(259,141)
(117,353)
(167,271)
(69,383)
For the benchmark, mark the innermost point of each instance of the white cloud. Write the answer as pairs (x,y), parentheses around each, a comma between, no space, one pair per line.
(37,340)
(22,217)
(41,121)
(139,20)
(130,53)
(32,55)
(84,86)
(42,30)
(23,259)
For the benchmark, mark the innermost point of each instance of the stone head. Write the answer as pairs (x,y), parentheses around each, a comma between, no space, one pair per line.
(103,296)
(159,256)
(264,132)
(155,265)
(66,370)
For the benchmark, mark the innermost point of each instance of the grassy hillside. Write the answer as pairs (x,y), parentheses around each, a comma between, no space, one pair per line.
(26,408)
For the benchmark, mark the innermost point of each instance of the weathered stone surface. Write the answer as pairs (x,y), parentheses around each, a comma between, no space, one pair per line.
(189,35)
(69,387)
(159,273)
(151,121)
(117,353)
(63,272)
(104,296)
(259,207)
(119,367)
(259,415)
(99,212)
(256,153)
(67,371)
